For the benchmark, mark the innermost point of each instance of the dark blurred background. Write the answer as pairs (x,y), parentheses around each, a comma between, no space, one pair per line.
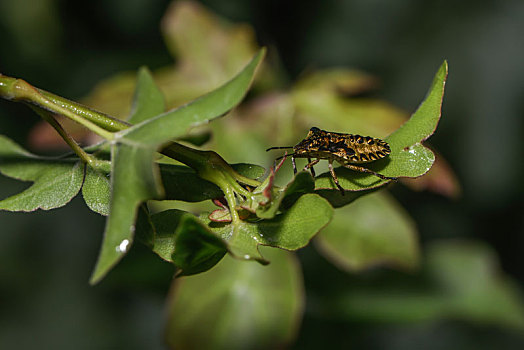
(66,47)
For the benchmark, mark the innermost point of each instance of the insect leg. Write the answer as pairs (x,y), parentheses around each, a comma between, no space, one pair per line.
(294,165)
(366,170)
(310,165)
(332,171)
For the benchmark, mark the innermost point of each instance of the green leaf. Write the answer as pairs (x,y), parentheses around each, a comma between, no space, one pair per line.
(176,123)
(291,230)
(373,230)
(191,33)
(461,280)
(239,305)
(408,158)
(148,100)
(182,183)
(196,248)
(324,99)
(161,235)
(423,122)
(135,178)
(335,82)
(132,182)
(146,232)
(302,183)
(474,285)
(252,171)
(96,190)
(197,139)
(55,180)
(182,239)
(337,199)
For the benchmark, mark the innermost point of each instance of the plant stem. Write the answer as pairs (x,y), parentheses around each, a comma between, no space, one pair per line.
(101,119)
(19,90)
(208,164)
(48,117)
(200,160)
(229,194)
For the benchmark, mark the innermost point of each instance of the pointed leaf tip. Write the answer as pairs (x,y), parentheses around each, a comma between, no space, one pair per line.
(409,157)
(148,100)
(135,177)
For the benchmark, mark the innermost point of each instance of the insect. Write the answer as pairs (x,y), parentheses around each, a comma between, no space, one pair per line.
(347,149)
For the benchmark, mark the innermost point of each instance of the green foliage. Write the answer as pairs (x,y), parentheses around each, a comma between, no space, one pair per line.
(236,303)
(461,282)
(408,158)
(134,177)
(286,218)
(182,183)
(148,100)
(55,180)
(374,230)
(196,248)
(96,190)
(290,230)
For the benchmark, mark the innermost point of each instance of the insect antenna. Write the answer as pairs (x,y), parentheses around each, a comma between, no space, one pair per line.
(279,147)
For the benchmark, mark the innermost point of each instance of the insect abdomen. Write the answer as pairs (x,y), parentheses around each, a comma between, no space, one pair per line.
(366,149)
